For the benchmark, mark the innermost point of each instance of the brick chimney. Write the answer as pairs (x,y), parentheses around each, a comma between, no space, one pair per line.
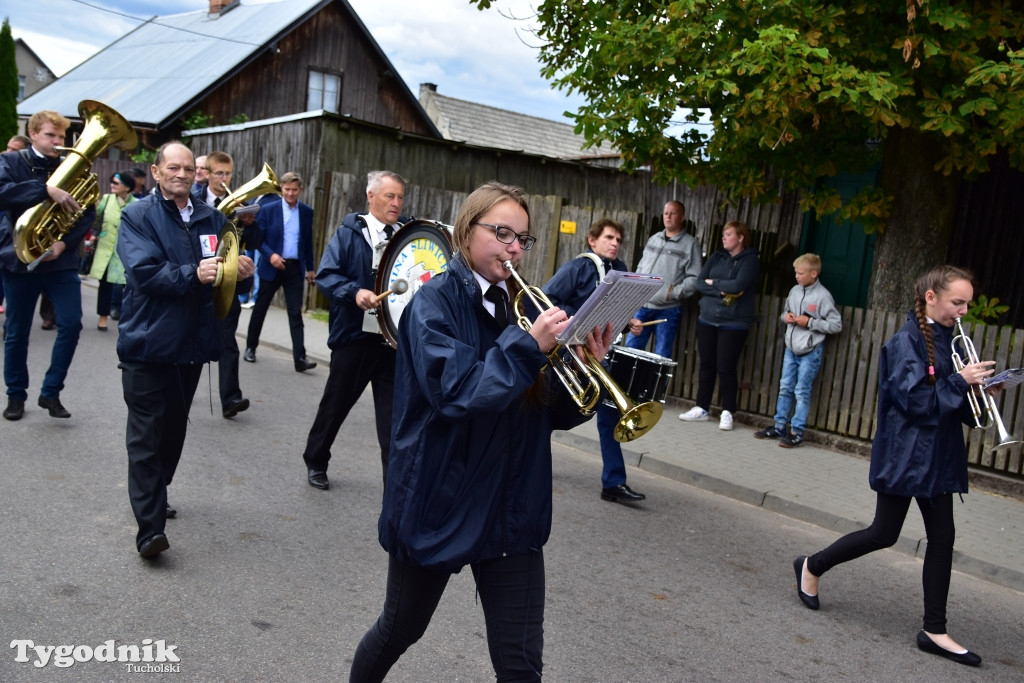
(217,6)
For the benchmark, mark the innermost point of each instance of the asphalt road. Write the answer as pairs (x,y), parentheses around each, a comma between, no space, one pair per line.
(268,579)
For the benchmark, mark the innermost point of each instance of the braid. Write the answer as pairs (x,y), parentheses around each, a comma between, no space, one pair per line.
(926,330)
(936,280)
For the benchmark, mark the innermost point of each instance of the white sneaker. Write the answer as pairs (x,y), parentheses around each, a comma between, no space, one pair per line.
(249,304)
(694,414)
(725,422)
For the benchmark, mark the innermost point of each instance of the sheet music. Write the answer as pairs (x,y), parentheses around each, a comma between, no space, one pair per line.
(1008,378)
(617,299)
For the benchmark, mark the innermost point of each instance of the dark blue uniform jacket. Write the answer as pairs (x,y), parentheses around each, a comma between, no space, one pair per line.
(469,474)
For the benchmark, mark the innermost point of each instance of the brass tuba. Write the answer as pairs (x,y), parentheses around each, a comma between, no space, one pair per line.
(584,379)
(38,228)
(229,244)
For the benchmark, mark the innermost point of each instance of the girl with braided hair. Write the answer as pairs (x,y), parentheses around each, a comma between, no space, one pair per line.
(918,451)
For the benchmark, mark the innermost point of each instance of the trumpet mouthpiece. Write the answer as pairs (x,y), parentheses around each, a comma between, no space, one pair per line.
(508,265)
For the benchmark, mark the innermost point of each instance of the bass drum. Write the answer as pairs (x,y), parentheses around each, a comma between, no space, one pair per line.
(419,250)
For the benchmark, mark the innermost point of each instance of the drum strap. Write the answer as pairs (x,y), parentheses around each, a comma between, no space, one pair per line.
(597,262)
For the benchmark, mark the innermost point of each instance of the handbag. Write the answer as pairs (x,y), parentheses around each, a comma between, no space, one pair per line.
(89,245)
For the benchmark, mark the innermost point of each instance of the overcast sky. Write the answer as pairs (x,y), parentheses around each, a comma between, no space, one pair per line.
(472,55)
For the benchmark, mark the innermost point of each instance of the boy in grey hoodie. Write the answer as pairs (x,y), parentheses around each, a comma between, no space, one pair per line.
(809,314)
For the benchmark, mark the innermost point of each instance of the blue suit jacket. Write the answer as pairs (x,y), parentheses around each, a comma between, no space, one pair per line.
(272,222)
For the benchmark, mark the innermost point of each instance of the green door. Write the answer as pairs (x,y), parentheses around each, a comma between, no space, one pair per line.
(846,251)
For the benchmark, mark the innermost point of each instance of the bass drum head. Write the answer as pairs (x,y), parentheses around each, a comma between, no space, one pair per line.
(419,251)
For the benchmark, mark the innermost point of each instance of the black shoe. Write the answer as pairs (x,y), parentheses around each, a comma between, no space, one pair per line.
(15,409)
(250,355)
(770,433)
(318,478)
(301,365)
(926,644)
(115,314)
(171,512)
(49,325)
(622,494)
(236,407)
(54,406)
(153,546)
(810,601)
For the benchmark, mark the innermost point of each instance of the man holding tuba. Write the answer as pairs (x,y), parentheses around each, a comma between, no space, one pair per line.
(23,177)
(168,329)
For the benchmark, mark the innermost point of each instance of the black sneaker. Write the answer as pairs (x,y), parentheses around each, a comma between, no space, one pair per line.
(792,441)
(770,433)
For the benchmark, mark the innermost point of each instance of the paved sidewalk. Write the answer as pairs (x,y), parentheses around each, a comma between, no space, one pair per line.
(811,483)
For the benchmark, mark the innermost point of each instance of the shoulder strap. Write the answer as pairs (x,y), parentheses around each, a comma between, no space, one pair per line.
(597,262)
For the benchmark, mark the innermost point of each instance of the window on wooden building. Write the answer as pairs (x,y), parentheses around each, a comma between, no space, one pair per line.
(324,91)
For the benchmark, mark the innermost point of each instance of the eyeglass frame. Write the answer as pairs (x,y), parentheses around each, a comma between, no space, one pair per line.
(530,240)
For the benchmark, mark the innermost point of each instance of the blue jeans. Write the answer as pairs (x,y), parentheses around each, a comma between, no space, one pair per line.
(664,333)
(614,471)
(255,255)
(798,373)
(64,289)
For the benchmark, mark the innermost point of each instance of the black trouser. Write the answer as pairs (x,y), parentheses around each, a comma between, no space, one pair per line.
(158,398)
(352,368)
(291,278)
(227,368)
(105,298)
(890,513)
(719,351)
(511,592)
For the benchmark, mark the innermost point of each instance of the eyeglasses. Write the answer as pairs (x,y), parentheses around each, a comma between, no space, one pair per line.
(507,235)
(221,174)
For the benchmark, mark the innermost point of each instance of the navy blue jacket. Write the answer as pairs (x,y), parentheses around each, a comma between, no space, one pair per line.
(469,473)
(272,221)
(22,186)
(167,315)
(576,281)
(345,268)
(732,275)
(918,448)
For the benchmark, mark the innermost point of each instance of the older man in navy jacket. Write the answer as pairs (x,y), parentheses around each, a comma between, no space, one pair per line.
(168,330)
(287,251)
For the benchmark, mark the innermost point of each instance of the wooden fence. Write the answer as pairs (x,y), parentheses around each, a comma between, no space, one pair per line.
(845,392)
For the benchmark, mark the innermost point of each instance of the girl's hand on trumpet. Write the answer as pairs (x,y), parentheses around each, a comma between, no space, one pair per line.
(548,325)
(975,373)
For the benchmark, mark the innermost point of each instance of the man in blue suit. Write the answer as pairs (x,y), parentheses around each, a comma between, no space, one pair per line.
(287,252)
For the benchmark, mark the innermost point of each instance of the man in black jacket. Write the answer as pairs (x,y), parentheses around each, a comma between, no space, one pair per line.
(168,330)
(23,177)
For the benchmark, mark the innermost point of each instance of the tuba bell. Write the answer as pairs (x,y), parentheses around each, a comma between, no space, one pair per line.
(45,223)
(229,245)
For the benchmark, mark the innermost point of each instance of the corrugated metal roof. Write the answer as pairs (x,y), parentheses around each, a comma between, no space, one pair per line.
(480,124)
(153,72)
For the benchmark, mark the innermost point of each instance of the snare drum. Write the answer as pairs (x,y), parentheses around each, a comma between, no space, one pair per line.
(419,251)
(644,376)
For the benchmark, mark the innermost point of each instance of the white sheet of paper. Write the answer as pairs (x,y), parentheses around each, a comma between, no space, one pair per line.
(617,299)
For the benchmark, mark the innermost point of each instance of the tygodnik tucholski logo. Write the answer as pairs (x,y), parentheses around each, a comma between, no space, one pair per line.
(152,656)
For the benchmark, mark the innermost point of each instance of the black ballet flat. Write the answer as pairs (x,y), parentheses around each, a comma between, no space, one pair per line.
(810,601)
(926,644)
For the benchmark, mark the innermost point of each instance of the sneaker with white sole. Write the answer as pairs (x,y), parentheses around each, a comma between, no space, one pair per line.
(725,422)
(694,414)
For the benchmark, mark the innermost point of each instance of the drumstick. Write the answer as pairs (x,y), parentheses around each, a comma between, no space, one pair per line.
(654,322)
(397,287)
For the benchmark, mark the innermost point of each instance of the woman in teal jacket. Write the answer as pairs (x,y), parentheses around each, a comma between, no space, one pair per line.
(106,266)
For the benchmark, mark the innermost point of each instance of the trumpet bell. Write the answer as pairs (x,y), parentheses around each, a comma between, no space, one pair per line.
(637,421)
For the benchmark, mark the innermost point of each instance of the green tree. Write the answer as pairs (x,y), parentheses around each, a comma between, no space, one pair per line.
(8,84)
(798,90)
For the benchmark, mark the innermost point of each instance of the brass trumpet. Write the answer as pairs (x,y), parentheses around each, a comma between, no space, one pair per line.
(983,404)
(584,380)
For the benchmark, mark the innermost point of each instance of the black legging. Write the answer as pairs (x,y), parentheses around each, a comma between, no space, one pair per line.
(511,591)
(719,350)
(890,513)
